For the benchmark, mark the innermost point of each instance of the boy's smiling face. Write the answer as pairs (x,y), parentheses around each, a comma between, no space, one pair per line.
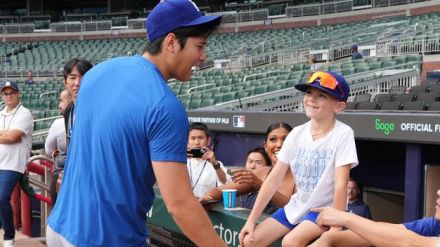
(321,105)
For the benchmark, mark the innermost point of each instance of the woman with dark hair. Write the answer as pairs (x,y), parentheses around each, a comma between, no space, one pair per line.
(248,181)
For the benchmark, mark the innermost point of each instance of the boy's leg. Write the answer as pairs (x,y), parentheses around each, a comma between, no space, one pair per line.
(266,233)
(345,238)
(305,232)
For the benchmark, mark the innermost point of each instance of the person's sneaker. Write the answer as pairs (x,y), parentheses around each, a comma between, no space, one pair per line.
(9,243)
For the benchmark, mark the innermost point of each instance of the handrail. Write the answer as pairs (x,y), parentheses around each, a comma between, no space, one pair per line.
(45,93)
(201,86)
(42,166)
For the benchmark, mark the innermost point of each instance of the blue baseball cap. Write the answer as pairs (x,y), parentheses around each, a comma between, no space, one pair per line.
(341,91)
(171,14)
(10,84)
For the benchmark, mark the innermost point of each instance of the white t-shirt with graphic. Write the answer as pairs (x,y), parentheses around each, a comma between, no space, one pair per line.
(203,176)
(313,166)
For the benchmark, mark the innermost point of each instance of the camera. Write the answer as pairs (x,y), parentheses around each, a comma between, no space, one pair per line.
(197,152)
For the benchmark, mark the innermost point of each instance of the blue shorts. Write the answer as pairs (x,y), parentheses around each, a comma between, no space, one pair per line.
(280,216)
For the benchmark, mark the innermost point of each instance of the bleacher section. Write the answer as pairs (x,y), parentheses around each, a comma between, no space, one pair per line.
(46,58)
(260,69)
(413,34)
(214,87)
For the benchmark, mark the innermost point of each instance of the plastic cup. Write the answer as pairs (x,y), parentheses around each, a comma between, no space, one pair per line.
(229,198)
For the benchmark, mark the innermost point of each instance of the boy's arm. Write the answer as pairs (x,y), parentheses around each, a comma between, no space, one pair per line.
(342,174)
(268,189)
(284,193)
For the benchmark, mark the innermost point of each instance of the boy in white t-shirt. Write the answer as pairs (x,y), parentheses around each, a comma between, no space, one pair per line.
(320,154)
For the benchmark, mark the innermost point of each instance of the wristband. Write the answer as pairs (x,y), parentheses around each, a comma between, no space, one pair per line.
(216,165)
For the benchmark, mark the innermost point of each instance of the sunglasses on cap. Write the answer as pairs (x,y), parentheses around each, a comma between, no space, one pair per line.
(326,80)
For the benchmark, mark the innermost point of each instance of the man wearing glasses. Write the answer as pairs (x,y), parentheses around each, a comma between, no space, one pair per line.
(15,147)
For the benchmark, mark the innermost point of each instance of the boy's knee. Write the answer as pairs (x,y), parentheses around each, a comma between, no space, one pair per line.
(289,241)
(327,237)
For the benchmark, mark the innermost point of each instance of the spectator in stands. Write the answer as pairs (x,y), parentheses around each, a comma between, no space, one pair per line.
(355,204)
(248,181)
(354,53)
(363,232)
(30,77)
(312,62)
(55,145)
(320,154)
(15,146)
(205,171)
(130,129)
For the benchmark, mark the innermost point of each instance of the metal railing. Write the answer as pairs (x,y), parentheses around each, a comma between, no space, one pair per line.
(17,28)
(319,9)
(243,16)
(423,44)
(42,133)
(77,26)
(22,72)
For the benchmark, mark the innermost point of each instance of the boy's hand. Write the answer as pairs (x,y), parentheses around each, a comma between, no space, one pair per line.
(247,231)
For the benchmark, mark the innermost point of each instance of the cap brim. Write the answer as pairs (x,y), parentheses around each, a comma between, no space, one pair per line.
(8,87)
(202,20)
(303,87)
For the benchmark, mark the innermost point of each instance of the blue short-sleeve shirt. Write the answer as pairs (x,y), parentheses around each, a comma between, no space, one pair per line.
(428,227)
(125,117)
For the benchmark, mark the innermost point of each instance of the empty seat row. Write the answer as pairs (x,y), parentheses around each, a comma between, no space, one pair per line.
(395,105)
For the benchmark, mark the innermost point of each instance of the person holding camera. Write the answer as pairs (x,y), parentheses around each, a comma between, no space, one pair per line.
(205,171)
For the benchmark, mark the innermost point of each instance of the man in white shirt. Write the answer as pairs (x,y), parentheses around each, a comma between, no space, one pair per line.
(15,145)
(56,139)
(56,143)
(205,171)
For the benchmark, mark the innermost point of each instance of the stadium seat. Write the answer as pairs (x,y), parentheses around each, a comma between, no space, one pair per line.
(418,89)
(195,103)
(367,106)
(383,98)
(207,102)
(350,106)
(397,90)
(229,97)
(434,106)
(362,98)
(434,88)
(427,97)
(394,105)
(414,106)
(402,97)
(430,81)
